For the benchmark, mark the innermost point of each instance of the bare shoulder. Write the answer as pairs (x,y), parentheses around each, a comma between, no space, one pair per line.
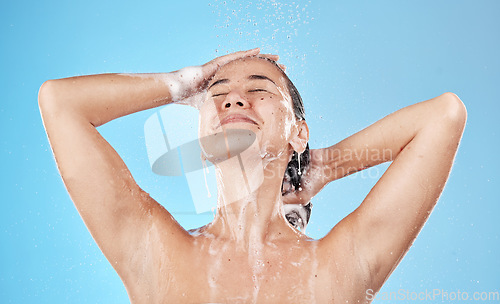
(164,231)
(157,258)
(339,254)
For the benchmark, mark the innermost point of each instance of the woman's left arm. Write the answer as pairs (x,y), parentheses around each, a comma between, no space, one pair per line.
(362,150)
(421,140)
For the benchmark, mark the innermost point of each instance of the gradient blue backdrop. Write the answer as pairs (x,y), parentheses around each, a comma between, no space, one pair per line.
(353,61)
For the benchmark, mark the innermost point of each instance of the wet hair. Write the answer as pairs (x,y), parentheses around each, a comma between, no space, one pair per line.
(294,170)
(297,215)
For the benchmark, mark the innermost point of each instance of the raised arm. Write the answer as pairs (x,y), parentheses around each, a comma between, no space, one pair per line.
(125,221)
(422,141)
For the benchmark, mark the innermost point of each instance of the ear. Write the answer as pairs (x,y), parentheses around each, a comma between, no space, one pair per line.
(299,141)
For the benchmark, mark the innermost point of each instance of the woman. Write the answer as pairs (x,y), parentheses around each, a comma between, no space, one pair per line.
(249,253)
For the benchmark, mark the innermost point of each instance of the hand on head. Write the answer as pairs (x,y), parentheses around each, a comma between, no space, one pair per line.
(191,81)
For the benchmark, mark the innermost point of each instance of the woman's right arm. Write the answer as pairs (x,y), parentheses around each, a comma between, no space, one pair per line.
(117,212)
(125,221)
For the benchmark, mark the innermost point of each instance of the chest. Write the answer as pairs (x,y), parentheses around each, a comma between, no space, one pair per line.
(277,274)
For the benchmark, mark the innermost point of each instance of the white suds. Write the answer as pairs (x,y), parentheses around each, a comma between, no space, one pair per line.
(181,84)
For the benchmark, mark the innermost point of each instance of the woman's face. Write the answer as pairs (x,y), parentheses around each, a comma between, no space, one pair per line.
(250,94)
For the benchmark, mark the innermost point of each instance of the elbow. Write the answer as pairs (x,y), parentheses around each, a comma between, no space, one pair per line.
(47,95)
(454,110)
(52,98)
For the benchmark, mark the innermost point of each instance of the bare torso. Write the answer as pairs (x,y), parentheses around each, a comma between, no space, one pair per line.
(211,270)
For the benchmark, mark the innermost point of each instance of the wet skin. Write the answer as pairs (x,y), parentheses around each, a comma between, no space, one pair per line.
(249,253)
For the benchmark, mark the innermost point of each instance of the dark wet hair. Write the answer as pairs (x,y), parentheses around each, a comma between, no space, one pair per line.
(293,171)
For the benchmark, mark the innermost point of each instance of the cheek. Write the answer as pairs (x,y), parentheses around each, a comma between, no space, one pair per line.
(207,118)
(289,125)
(280,121)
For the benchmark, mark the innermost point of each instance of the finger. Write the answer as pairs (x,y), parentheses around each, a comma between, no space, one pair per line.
(237,55)
(270,56)
(241,54)
(274,58)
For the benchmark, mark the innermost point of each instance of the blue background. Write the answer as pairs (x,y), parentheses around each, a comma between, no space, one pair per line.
(353,62)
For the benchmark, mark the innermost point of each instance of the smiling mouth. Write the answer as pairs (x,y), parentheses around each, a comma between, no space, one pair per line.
(236,119)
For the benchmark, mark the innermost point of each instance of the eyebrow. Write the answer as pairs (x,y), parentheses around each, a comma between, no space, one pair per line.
(261,77)
(220,81)
(251,77)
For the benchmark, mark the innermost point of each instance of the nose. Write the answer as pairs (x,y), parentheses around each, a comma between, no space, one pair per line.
(235,99)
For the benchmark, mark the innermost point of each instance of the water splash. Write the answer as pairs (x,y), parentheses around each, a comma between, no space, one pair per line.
(269,24)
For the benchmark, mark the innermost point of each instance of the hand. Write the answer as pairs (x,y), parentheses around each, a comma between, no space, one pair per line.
(211,67)
(312,181)
(186,85)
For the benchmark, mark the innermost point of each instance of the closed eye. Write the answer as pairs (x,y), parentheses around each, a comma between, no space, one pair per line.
(257,90)
(220,94)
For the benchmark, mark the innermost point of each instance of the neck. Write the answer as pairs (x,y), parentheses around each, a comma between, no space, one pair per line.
(249,209)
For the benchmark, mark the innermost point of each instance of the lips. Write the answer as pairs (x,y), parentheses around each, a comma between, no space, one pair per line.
(234,118)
